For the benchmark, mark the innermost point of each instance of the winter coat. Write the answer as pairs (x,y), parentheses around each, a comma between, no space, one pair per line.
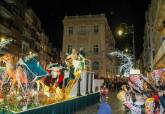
(104,108)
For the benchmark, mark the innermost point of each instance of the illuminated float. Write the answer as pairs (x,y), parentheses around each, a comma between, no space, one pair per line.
(26,85)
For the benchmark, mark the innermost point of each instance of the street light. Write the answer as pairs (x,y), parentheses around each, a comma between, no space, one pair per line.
(30,53)
(120,32)
(126,50)
(2,39)
(125,30)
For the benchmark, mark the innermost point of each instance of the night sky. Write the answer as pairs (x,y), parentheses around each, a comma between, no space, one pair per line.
(52,12)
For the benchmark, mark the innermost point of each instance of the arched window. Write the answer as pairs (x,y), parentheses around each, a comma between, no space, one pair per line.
(95,65)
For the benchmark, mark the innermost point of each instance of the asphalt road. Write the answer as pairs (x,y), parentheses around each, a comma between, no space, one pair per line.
(115,104)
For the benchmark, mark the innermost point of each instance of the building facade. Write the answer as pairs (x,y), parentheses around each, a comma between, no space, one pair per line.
(11,24)
(92,34)
(20,23)
(154,43)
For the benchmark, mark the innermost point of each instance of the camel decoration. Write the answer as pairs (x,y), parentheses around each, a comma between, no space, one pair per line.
(15,74)
(19,72)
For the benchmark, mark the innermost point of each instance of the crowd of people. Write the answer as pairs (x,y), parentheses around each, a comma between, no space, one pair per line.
(148,102)
(138,94)
(116,83)
(144,95)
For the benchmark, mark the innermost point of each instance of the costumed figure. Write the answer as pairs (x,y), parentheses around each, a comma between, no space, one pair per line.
(137,80)
(56,73)
(138,106)
(74,67)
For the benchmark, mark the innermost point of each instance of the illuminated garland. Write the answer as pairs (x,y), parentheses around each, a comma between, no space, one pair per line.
(127,65)
(4,43)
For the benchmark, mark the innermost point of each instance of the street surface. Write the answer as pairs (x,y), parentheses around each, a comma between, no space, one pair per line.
(114,103)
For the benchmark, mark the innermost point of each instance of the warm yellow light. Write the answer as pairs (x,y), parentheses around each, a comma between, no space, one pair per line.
(120,32)
(2,39)
(126,50)
(30,52)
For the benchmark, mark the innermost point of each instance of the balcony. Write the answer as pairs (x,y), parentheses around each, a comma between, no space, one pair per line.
(4,12)
(5,31)
(8,23)
(10,1)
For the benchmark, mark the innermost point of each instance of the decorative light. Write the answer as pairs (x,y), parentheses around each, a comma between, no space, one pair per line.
(120,32)
(30,53)
(2,39)
(4,42)
(128,64)
(126,50)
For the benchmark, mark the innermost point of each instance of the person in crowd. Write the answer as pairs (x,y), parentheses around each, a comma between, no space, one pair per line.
(109,85)
(123,96)
(104,107)
(136,107)
(161,94)
(112,86)
(149,102)
(156,101)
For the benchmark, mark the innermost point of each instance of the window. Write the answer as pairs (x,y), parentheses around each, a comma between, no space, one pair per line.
(69,51)
(96,29)
(96,49)
(95,65)
(70,30)
(83,30)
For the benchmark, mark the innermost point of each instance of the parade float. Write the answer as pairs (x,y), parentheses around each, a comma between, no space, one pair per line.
(25,87)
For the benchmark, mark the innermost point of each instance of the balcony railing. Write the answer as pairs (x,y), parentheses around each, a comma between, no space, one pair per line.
(11,24)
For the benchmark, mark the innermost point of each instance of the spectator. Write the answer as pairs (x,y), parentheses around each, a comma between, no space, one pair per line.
(138,106)
(162,101)
(149,103)
(104,107)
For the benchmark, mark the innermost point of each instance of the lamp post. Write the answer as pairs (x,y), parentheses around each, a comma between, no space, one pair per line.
(125,30)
